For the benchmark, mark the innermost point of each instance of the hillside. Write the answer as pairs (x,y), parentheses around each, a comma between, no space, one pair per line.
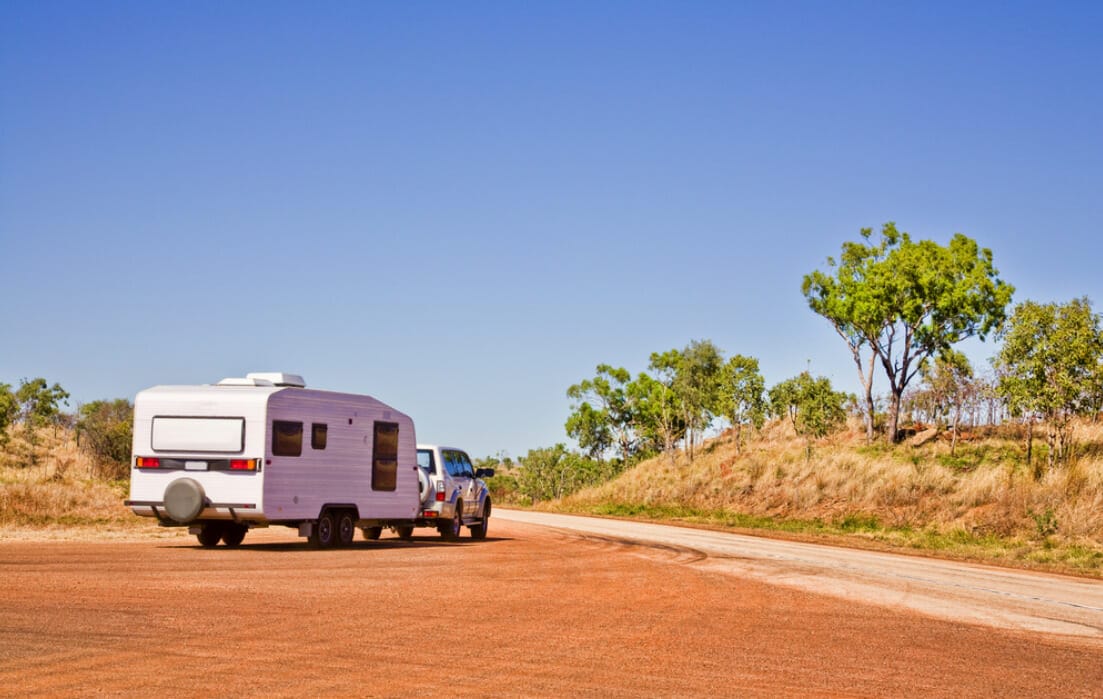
(982,502)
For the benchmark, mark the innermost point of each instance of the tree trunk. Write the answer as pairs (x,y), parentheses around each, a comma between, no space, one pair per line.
(894,416)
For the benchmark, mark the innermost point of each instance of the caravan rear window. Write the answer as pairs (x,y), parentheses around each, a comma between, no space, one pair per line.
(287,438)
(198,434)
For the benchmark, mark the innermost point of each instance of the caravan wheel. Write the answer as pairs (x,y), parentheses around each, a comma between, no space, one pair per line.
(233,534)
(346,527)
(324,533)
(210,534)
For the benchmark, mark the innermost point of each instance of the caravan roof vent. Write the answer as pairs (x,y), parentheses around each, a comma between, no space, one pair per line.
(232,381)
(278,378)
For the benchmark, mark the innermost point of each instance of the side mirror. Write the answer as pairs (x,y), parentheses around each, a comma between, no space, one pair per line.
(484,473)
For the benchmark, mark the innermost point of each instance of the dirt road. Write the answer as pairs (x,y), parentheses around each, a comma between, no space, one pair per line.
(531,611)
(951,590)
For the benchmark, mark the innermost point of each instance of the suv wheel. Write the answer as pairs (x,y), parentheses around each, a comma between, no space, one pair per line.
(450,530)
(479,530)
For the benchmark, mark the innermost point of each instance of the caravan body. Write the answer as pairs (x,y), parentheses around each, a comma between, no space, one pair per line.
(266,450)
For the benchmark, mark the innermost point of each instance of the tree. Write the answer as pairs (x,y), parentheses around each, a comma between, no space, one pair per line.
(39,405)
(950,382)
(693,375)
(9,410)
(814,408)
(554,472)
(105,430)
(1049,368)
(742,395)
(597,428)
(658,416)
(907,301)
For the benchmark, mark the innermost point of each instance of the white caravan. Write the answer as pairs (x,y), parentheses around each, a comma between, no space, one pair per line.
(267,450)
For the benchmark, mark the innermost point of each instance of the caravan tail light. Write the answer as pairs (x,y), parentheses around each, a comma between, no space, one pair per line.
(147,462)
(243,464)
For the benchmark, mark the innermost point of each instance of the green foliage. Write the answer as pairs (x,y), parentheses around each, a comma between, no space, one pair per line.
(814,408)
(1049,367)
(39,404)
(693,375)
(596,429)
(9,410)
(105,430)
(555,472)
(741,396)
(659,419)
(906,301)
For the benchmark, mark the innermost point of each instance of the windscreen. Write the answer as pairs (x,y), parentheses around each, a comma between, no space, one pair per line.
(199,434)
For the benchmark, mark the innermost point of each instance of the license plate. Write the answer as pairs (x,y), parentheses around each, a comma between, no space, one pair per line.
(195,465)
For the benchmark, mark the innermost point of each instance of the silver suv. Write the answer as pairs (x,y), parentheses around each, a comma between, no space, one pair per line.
(453,494)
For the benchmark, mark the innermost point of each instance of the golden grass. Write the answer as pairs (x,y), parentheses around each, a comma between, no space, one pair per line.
(54,483)
(983,497)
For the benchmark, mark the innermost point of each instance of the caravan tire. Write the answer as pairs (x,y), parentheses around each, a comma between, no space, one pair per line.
(404,532)
(346,527)
(324,531)
(210,534)
(233,534)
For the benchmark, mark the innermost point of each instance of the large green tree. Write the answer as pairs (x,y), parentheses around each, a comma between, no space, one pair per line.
(904,301)
(602,414)
(742,395)
(693,374)
(1049,368)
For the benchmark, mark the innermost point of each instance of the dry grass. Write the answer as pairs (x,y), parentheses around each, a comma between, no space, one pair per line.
(55,484)
(980,502)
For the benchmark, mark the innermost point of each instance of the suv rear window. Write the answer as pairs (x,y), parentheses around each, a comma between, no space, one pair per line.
(426,461)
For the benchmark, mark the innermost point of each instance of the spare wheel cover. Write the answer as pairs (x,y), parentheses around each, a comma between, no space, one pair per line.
(422,484)
(184,499)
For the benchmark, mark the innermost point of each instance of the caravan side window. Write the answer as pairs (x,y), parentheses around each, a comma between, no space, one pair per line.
(318,432)
(384,459)
(287,438)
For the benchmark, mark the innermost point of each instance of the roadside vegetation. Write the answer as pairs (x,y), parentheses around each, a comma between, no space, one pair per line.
(60,469)
(1003,464)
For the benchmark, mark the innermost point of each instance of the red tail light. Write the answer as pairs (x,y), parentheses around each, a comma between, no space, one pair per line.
(147,462)
(440,496)
(243,464)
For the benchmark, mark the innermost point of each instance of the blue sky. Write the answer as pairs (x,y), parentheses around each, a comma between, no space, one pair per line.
(463,208)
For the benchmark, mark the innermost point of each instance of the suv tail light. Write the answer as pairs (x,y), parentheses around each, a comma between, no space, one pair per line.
(440,491)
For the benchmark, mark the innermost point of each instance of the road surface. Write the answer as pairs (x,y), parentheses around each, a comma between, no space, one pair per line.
(951,590)
(532,611)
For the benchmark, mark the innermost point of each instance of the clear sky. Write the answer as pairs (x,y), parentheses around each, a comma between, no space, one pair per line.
(463,208)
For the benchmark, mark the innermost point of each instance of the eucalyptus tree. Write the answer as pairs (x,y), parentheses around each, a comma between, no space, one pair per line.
(904,301)
(810,403)
(1049,368)
(693,374)
(602,414)
(741,395)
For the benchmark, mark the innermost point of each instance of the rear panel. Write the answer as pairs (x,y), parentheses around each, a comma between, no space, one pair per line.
(201,433)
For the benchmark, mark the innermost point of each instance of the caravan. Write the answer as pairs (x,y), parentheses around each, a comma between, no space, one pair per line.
(242,453)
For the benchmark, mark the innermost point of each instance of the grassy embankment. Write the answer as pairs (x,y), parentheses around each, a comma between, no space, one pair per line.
(54,485)
(982,503)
